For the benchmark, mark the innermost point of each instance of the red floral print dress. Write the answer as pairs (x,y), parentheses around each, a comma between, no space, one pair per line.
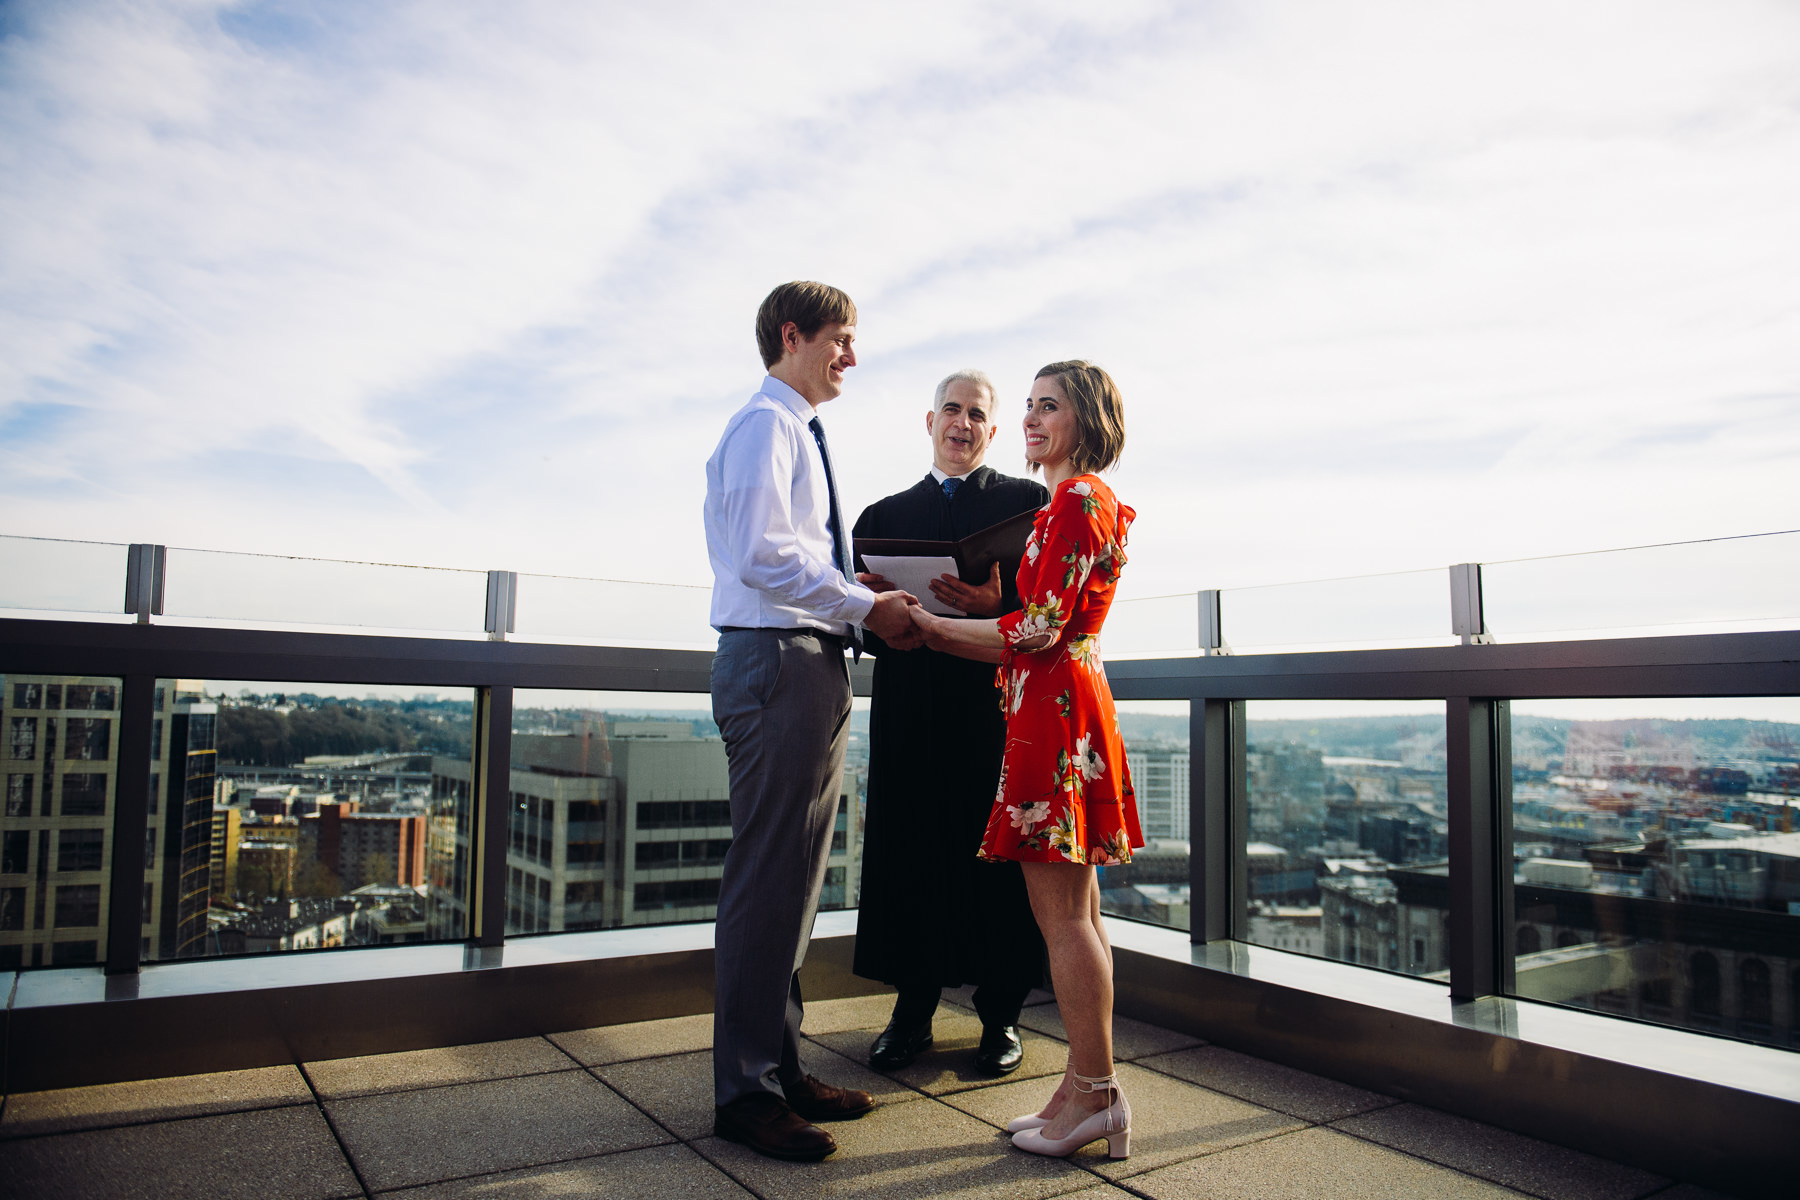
(1065,790)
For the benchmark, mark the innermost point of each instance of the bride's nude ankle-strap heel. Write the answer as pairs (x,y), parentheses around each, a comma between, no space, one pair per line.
(1112,1123)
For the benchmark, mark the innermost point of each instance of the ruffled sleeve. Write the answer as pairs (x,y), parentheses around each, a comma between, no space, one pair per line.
(1080,543)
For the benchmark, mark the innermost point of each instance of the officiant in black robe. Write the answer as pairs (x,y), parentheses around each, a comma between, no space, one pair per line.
(933,915)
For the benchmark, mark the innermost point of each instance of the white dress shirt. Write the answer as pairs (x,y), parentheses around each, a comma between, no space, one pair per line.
(940,476)
(766,508)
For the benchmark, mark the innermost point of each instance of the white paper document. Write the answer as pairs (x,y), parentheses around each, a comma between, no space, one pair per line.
(914,575)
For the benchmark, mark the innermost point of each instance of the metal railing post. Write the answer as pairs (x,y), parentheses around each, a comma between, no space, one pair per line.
(144,565)
(131,819)
(490,793)
(1467,621)
(1215,849)
(1480,861)
(1212,629)
(502,599)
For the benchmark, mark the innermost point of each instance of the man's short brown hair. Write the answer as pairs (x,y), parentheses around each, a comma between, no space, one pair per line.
(1099,413)
(810,306)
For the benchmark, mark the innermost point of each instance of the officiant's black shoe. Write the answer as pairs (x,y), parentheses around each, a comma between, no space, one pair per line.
(898,1045)
(1001,1050)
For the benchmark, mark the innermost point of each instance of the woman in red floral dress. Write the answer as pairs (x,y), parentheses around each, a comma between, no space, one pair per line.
(1065,802)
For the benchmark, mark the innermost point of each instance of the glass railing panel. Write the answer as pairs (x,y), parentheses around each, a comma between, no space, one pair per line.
(1153,886)
(1153,625)
(1346,854)
(294,816)
(59,750)
(1745,583)
(1406,608)
(615,612)
(49,575)
(619,812)
(1656,861)
(270,590)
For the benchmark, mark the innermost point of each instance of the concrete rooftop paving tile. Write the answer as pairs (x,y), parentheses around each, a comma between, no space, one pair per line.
(905,1151)
(1541,1168)
(678,1091)
(949,1065)
(644,1039)
(30,1113)
(1171,1119)
(965,996)
(337,1078)
(852,1012)
(286,1152)
(1271,1085)
(400,1139)
(1309,1164)
(654,1173)
(1131,1039)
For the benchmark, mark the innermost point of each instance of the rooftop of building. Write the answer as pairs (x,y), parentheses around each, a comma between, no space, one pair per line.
(625,1110)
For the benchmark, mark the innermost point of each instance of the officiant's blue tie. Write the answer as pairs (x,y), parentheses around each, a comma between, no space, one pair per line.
(950,486)
(840,547)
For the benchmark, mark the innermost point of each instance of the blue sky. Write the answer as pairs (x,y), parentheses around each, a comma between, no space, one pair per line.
(1386,286)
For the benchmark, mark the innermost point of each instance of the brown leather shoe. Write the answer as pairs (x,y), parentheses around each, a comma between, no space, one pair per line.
(768,1126)
(817,1100)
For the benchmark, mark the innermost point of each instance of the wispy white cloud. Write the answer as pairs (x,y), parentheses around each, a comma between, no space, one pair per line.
(1385,285)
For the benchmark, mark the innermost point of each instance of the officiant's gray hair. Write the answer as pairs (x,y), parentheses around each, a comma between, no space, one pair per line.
(978,378)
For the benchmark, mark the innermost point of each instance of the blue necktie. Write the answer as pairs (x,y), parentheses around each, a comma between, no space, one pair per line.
(840,549)
(950,486)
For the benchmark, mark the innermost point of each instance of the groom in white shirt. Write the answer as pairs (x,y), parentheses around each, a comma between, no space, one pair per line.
(786,608)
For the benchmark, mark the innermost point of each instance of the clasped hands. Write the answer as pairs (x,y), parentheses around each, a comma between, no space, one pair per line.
(902,622)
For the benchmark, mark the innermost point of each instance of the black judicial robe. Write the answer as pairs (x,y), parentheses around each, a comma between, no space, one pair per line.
(932,912)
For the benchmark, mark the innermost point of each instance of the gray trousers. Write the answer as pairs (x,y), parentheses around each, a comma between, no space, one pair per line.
(782,702)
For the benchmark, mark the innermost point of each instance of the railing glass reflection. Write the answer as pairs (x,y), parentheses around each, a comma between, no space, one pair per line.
(1728,584)
(1407,608)
(1346,856)
(55,576)
(270,590)
(1655,868)
(1153,886)
(283,819)
(615,612)
(1159,625)
(619,816)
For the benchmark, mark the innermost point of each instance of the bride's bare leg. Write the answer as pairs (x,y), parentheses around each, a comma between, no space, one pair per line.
(1063,898)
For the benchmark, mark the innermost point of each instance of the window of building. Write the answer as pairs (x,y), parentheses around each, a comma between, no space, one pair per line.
(21,738)
(676,893)
(12,908)
(28,695)
(18,795)
(15,851)
(1754,1000)
(80,849)
(84,795)
(77,905)
(88,739)
(652,855)
(90,696)
(1703,974)
(676,814)
(708,853)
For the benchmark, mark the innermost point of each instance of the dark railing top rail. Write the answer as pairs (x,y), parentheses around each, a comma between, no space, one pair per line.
(1723,664)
